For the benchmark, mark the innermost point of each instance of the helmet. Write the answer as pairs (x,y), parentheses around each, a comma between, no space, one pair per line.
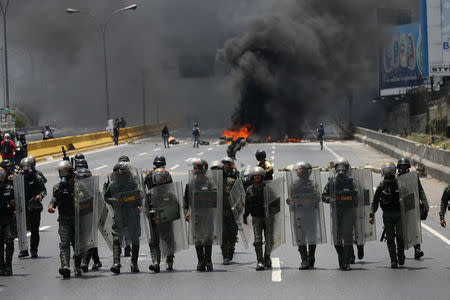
(7,136)
(83,173)
(197,162)
(79,156)
(33,159)
(388,170)
(260,154)
(81,163)
(243,143)
(2,175)
(403,165)
(305,167)
(26,164)
(195,124)
(124,158)
(258,171)
(227,160)
(121,166)
(6,164)
(64,168)
(321,124)
(160,176)
(205,163)
(159,161)
(341,164)
(216,164)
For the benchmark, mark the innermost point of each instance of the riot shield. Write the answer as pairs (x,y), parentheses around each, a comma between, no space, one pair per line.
(205,202)
(364,231)
(344,196)
(237,203)
(105,222)
(128,195)
(86,197)
(21,217)
(168,217)
(274,212)
(306,209)
(409,208)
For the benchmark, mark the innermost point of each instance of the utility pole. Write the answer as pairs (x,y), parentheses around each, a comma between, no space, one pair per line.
(143,98)
(4,9)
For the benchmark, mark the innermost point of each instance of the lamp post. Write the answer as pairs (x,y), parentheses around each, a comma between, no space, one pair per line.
(4,9)
(103,30)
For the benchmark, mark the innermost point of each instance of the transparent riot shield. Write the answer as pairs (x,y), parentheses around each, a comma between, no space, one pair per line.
(127,192)
(168,218)
(21,217)
(105,222)
(364,231)
(274,213)
(306,208)
(409,208)
(205,202)
(86,197)
(344,200)
(237,203)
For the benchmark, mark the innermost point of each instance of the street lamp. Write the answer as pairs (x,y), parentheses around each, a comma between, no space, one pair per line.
(103,30)
(4,9)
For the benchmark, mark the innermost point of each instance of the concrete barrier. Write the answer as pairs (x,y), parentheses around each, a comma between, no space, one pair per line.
(43,149)
(436,161)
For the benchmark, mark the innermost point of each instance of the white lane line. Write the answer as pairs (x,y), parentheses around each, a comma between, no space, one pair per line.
(331,151)
(272,158)
(273,147)
(42,228)
(273,152)
(187,160)
(142,154)
(209,149)
(201,153)
(443,238)
(157,149)
(101,167)
(174,167)
(276,270)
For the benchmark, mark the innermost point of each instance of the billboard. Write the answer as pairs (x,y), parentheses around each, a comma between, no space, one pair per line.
(402,61)
(7,120)
(438,28)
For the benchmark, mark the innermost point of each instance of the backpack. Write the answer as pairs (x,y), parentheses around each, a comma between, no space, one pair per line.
(6,148)
(195,131)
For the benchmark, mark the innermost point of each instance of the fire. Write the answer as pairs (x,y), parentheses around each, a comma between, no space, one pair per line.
(268,139)
(238,131)
(294,140)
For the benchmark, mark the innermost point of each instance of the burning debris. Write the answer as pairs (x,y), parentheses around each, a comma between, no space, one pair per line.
(238,131)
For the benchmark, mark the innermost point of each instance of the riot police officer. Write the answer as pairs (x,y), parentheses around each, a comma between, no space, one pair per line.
(229,168)
(63,199)
(264,164)
(159,162)
(35,191)
(340,192)
(403,167)
(7,207)
(33,159)
(387,195)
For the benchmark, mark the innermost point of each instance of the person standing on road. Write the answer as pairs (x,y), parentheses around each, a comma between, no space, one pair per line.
(35,191)
(7,147)
(7,207)
(339,192)
(265,165)
(165,136)
(387,195)
(444,205)
(403,166)
(320,134)
(254,206)
(63,199)
(196,134)
(33,159)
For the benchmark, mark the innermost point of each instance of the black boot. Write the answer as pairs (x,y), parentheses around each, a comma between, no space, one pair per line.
(312,256)
(97,264)
(85,261)
(115,268)
(169,263)
(267,261)
(208,253)
(134,258)
(2,262)
(417,252)
(201,265)
(127,251)
(259,258)
(77,265)
(155,267)
(360,251)
(304,256)
(65,272)
(23,253)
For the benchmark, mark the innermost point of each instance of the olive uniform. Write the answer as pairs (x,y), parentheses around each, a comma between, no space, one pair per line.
(63,199)
(229,229)
(387,195)
(6,218)
(445,202)
(344,238)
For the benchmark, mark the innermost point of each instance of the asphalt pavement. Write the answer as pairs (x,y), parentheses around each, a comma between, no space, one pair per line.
(371,278)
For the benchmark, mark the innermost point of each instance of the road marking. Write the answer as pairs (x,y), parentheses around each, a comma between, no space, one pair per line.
(157,149)
(273,147)
(174,167)
(209,149)
(200,153)
(142,154)
(332,152)
(443,238)
(276,270)
(273,152)
(101,167)
(42,228)
(272,158)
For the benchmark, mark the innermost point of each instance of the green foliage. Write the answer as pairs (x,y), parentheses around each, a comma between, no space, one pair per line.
(22,121)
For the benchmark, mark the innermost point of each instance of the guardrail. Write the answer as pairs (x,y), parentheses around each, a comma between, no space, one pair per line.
(436,161)
(91,141)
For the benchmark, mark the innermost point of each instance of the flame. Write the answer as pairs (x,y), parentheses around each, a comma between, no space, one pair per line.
(238,131)
(268,139)
(294,140)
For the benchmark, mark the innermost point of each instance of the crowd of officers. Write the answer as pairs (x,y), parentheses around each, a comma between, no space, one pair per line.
(203,230)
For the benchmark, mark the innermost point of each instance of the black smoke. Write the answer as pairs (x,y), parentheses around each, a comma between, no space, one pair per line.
(299,60)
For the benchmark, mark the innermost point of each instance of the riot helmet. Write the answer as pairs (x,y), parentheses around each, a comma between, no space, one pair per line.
(159,161)
(388,171)
(82,173)
(79,156)
(160,176)
(341,166)
(403,165)
(8,165)
(64,169)
(81,163)
(33,158)
(26,165)
(303,170)
(3,175)
(124,158)
(216,165)
(260,155)
(205,163)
